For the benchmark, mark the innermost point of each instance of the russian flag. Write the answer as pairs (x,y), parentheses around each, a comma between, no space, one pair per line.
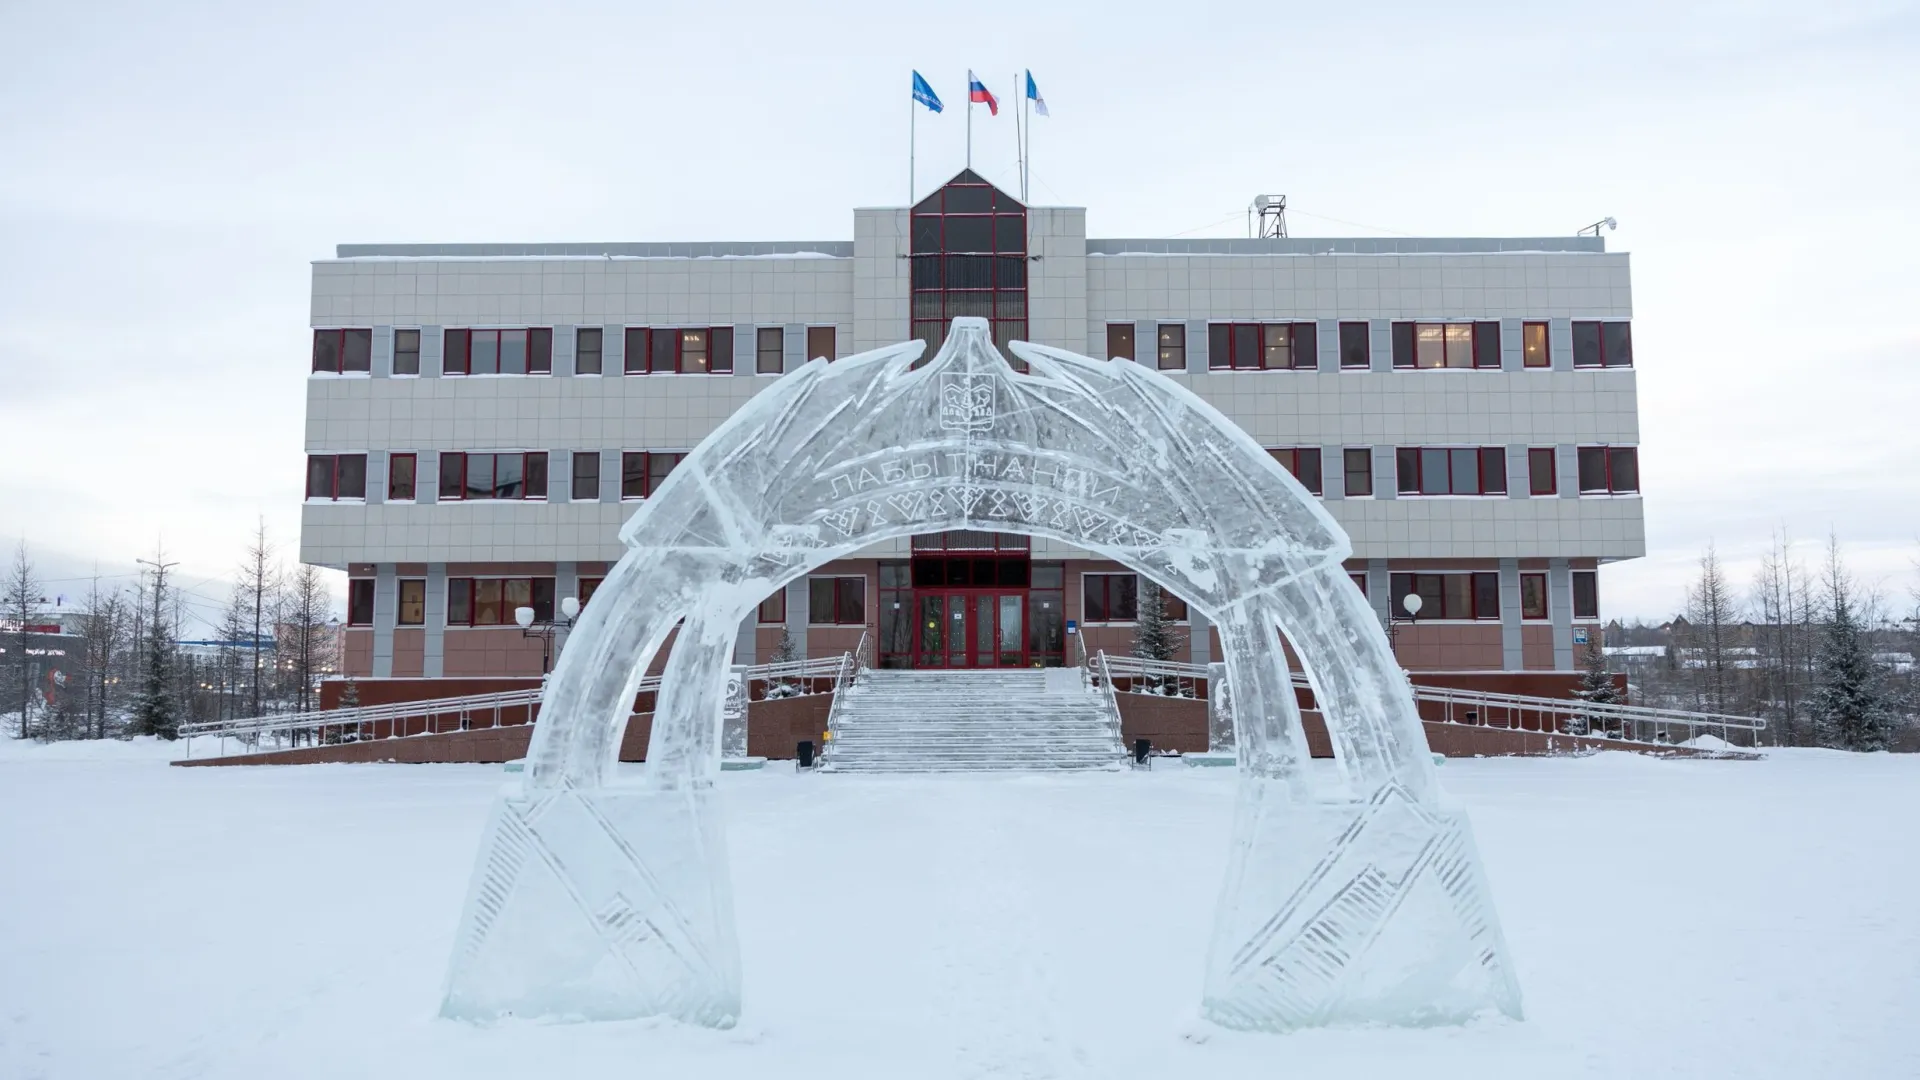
(978,94)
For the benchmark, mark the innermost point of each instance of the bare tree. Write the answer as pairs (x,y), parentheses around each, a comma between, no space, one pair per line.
(1783,602)
(23,604)
(306,647)
(1711,614)
(257,594)
(105,632)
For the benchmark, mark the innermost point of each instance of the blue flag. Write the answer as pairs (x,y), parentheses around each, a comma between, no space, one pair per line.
(924,94)
(1033,95)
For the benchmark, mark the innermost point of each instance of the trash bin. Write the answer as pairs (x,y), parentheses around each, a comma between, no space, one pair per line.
(1141,747)
(804,753)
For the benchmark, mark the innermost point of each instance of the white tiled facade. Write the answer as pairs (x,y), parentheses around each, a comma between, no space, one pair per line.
(1076,288)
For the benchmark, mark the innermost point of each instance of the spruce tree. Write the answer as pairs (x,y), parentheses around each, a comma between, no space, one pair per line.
(1596,684)
(154,711)
(1152,634)
(784,653)
(1848,705)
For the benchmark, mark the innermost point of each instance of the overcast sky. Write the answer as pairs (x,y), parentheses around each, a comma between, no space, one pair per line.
(168,172)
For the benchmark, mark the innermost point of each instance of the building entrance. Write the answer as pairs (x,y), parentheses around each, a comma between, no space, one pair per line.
(972,600)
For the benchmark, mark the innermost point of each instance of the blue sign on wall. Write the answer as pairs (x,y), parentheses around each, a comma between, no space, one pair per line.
(1073,627)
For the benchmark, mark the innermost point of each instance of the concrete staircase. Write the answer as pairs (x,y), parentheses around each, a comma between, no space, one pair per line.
(973,721)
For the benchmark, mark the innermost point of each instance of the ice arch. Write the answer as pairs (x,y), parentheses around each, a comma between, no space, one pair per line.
(598,901)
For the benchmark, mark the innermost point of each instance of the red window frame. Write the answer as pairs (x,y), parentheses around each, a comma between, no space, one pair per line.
(1608,349)
(469,593)
(360,602)
(1477,600)
(413,599)
(457,348)
(773,610)
(1586,594)
(1119,597)
(1120,341)
(1347,471)
(848,593)
(1543,471)
(1363,347)
(1410,468)
(1544,357)
(1483,345)
(533,473)
(662,350)
(1618,467)
(1302,342)
(1534,603)
(1303,463)
(393,477)
(324,480)
(586,587)
(1359,580)
(640,471)
(330,348)
(823,342)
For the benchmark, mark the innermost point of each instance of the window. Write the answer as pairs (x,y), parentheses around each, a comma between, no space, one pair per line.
(773,610)
(1534,350)
(360,602)
(820,342)
(643,471)
(1358,462)
(1254,346)
(1586,594)
(586,476)
(770,350)
(1120,341)
(1173,346)
(413,601)
(406,352)
(586,350)
(1609,470)
(968,248)
(336,476)
(1303,463)
(1359,582)
(1602,344)
(1172,607)
(587,587)
(1446,345)
(1109,597)
(1542,470)
(1448,596)
(498,352)
(837,601)
(516,475)
(400,476)
(492,601)
(1356,347)
(339,352)
(1533,596)
(665,350)
(1460,470)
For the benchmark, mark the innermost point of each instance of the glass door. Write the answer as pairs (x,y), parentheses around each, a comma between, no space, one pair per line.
(1012,613)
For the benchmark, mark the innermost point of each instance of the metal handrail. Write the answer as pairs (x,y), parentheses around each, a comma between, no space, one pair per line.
(1639,723)
(851,664)
(1113,703)
(361,720)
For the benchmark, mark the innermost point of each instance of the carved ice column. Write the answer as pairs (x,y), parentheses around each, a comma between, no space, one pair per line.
(1220,738)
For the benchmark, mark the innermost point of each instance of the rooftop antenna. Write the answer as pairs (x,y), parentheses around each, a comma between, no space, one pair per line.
(1267,217)
(1595,227)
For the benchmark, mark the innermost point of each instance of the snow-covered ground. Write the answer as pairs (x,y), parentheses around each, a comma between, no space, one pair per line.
(1668,918)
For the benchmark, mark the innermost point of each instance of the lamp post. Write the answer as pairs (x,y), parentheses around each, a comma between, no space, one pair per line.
(1411,603)
(569,611)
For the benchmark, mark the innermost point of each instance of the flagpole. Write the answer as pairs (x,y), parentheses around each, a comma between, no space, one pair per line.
(969,120)
(1026,106)
(913,119)
(1019,163)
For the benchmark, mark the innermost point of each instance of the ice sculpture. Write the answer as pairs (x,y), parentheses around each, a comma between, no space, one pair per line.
(1361,900)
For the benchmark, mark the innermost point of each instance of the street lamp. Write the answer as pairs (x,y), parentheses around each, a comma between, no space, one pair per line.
(569,611)
(1411,603)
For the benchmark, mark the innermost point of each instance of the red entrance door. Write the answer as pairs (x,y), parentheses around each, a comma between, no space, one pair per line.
(974,628)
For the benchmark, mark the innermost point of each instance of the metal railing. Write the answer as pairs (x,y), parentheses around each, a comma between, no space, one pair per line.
(851,665)
(440,716)
(1113,703)
(1480,708)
